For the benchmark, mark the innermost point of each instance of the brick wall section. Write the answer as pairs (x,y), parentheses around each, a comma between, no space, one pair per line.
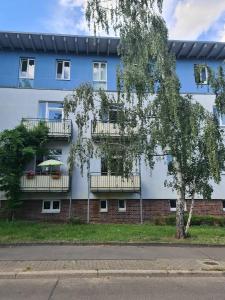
(32,210)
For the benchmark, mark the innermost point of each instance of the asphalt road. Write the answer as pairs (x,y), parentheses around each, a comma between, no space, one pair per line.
(114,289)
(109,252)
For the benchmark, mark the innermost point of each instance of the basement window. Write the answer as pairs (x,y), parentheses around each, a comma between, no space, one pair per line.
(51,206)
(121,205)
(223,202)
(173,205)
(103,206)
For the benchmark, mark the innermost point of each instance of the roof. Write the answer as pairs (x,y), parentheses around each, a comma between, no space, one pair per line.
(74,44)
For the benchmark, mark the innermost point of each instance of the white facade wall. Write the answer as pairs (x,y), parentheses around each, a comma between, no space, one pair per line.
(16,104)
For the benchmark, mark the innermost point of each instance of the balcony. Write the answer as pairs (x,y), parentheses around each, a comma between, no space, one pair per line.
(60,129)
(112,183)
(44,183)
(101,130)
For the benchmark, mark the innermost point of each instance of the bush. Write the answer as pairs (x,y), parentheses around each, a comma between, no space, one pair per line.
(75,221)
(196,220)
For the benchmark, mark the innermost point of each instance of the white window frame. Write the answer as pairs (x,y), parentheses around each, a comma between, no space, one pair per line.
(104,209)
(106,73)
(48,109)
(125,206)
(63,66)
(51,210)
(27,73)
(206,75)
(173,209)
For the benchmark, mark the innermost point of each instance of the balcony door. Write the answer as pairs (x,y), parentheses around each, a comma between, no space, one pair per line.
(112,168)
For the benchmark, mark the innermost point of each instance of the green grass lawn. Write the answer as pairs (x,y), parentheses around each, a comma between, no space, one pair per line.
(42,232)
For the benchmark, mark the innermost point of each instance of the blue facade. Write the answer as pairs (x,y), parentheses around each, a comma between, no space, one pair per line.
(82,70)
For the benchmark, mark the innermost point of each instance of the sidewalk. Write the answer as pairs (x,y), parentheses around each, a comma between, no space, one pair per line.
(97,261)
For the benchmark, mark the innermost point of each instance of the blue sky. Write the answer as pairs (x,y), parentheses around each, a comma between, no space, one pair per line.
(186,19)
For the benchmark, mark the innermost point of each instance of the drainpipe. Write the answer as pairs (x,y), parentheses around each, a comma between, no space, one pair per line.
(88,178)
(71,195)
(141,200)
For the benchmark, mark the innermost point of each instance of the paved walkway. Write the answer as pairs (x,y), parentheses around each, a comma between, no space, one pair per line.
(92,260)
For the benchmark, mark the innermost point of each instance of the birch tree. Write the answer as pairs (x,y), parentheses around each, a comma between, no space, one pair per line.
(166,121)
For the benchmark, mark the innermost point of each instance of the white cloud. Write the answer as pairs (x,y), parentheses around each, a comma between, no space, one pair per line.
(72,3)
(221,34)
(194,17)
(68,18)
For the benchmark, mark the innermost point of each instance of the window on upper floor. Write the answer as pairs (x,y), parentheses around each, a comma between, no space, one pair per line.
(63,70)
(51,110)
(27,68)
(111,115)
(114,167)
(201,73)
(100,75)
(220,117)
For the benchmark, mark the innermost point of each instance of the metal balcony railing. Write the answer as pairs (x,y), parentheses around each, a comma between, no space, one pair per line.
(44,183)
(57,128)
(113,183)
(102,129)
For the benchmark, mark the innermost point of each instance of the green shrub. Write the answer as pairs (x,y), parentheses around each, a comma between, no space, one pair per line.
(196,220)
(75,221)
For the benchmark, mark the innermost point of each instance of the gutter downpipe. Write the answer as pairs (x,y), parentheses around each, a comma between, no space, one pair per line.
(141,200)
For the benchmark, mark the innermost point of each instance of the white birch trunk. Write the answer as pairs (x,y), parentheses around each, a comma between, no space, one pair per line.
(190,214)
(180,228)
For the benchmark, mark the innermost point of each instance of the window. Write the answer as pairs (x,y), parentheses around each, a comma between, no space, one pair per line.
(173,205)
(114,167)
(51,206)
(55,154)
(223,202)
(27,66)
(63,70)
(100,75)
(51,110)
(220,117)
(103,206)
(112,114)
(121,205)
(201,74)
(168,159)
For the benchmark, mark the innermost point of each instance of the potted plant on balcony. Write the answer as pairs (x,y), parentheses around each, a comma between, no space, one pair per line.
(56,174)
(30,174)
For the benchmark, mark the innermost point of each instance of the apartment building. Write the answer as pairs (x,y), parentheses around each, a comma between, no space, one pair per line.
(37,72)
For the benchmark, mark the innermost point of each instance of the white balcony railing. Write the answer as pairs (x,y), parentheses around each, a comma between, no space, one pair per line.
(57,128)
(102,129)
(111,183)
(44,183)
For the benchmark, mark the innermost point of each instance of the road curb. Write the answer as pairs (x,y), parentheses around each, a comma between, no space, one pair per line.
(60,274)
(150,244)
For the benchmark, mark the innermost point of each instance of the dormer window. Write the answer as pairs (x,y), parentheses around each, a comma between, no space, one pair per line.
(201,74)
(63,70)
(27,66)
